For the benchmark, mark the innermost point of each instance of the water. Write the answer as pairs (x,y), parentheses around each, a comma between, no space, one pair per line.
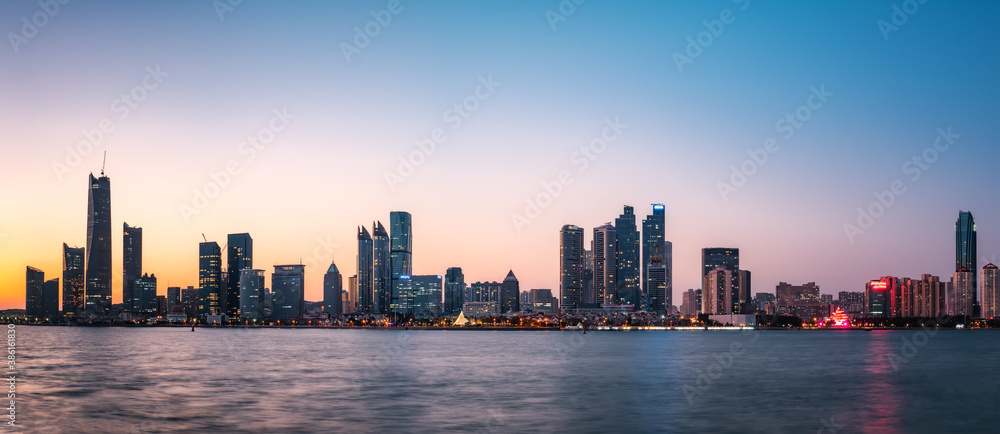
(79,379)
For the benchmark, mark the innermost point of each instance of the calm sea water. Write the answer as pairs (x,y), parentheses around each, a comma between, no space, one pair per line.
(78,379)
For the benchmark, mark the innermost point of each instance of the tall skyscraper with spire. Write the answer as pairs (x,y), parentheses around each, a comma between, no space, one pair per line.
(366,295)
(401,249)
(629,291)
(73,277)
(239,257)
(381,269)
(131,265)
(333,284)
(965,244)
(571,267)
(98,251)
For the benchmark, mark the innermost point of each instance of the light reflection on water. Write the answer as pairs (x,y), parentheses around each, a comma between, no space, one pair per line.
(75,379)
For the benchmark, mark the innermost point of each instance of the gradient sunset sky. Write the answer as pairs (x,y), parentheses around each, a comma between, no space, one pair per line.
(224,72)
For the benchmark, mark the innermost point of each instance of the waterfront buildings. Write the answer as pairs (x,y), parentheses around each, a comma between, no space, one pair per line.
(34,280)
(382,282)
(713,257)
(332,291)
(419,295)
(73,280)
(454,291)
(656,284)
(654,241)
(366,295)
(717,291)
(989,279)
(288,292)
(98,250)
(400,249)
(252,294)
(239,248)
(571,265)
(131,266)
(510,294)
(605,264)
(964,300)
(965,244)
(628,288)
(209,278)
(144,298)
(542,301)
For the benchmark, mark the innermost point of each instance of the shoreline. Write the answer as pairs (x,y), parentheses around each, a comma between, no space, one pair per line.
(427,328)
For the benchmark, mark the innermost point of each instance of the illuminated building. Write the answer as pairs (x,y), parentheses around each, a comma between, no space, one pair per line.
(542,301)
(965,245)
(288,291)
(964,299)
(628,287)
(366,295)
(712,257)
(802,301)
(209,278)
(381,269)
(189,300)
(400,249)
(605,265)
(877,297)
(571,258)
(144,299)
(352,295)
(717,292)
(654,241)
(852,302)
(454,291)
(131,266)
(251,294)
(332,291)
(239,257)
(989,279)
(691,302)
(73,280)
(840,319)
(98,251)
(173,296)
(656,286)
(510,294)
(419,295)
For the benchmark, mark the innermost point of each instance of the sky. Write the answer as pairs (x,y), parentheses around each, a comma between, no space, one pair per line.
(831,142)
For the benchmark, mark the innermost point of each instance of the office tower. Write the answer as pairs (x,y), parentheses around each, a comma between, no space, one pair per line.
(418,295)
(853,302)
(483,292)
(73,280)
(878,296)
(510,294)
(717,291)
(34,281)
(144,299)
(454,291)
(381,269)
(989,279)
(352,294)
(605,264)
(963,284)
(239,257)
(628,288)
(366,295)
(161,306)
(288,290)
(542,301)
(713,257)
(209,278)
(332,288)
(50,299)
(653,238)
(656,283)
(401,248)
(691,302)
(965,245)
(744,301)
(588,275)
(131,265)
(173,296)
(252,294)
(98,252)
(189,300)
(571,256)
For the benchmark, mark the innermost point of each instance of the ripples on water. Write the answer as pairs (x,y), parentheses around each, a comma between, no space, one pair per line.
(80,379)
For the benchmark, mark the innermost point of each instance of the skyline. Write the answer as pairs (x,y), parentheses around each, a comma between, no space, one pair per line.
(671,136)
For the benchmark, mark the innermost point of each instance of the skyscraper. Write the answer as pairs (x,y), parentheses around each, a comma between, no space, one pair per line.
(965,244)
(251,294)
(98,252)
(50,298)
(332,288)
(656,283)
(571,257)
(989,278)
(366,295)
(173,296)
(239,257)
(510,294)
(34,281)
(653,239)
(605,264)
(454,291)
(144,299)
(209,278)
(352,295)
(713,257)
(381,269)
(400,248)
(288,290)
(745,300)
(189,300)
(718,291)
(628,288)
(132,265)
(73,278)
(419,295)
(963,283)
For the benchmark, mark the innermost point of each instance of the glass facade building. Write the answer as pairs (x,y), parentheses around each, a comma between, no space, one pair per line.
(73,278)
(628,288)
(98,251)
(209,278)
(965,244)
(400,249)
(366,296)
(333,284)
(239,248)
(251,294)
(287,292)
(571,257)
(131,265)
(381,269)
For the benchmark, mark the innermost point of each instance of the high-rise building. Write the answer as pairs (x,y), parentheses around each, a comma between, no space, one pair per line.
(131,265)
(765,302)
(691,302)
(98,252)
(400,247)
(50,298)
(333,284)
(483,292)
(239,248)
(352,295)
(252,294)
(852,301)
(73,280)
(418,295)
(656,283)
(878,296)
(173,296)
(653,239)
(542,301)
(454,291)
(588,275)
(989,279)
(288,291)
(713,257)
(144,301)
(965,244)
(366,294)
(34,281)
(963,282)
(510,294)
(605,264)
(744,300)
(189,300)
(381,269)
(209,278)
(717,291)
(571,257)
(628,288)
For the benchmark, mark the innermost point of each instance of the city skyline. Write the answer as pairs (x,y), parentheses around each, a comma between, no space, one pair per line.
(333,130)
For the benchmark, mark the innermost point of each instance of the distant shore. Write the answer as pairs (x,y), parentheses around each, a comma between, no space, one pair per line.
(568,329)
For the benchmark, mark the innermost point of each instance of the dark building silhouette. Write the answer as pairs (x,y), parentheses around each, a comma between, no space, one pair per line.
(209,278)
(131,265)
(366,295)
(50,298)
(571,254)
(628,288)
(454,291)
(145,302)
(173,297)
(654,237)
(400,249)
(288,291)
(34,281)
(239,248)
(381,269)
(510,294)
(98,253)
(189,301)
(73,280)
(333,286)
(965,244)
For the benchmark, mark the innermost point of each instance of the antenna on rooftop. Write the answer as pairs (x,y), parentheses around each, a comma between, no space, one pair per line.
(104,163)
